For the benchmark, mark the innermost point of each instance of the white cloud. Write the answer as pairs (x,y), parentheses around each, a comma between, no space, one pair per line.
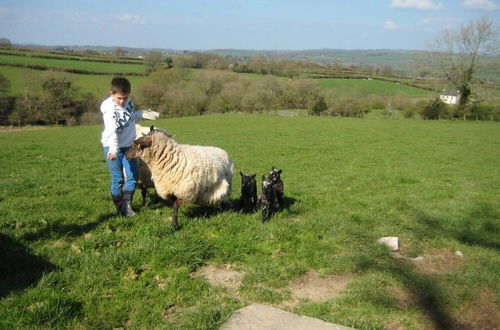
(480,5)
(417,4)
(390,25)
(134,19)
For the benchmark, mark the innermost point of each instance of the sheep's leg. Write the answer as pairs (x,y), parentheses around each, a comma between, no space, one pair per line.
(265,214)
(281,200)
(175,209)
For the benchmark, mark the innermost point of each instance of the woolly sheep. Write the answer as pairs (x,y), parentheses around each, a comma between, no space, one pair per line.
(189,174)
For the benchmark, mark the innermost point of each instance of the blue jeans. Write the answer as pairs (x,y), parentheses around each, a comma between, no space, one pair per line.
(116,168)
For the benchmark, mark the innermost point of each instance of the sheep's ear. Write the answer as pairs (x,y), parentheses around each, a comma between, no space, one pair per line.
(144,142)
(152,128)
(279,172)
(263,178)
(253,175)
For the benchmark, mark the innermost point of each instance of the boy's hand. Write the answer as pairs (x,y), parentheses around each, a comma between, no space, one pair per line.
(111,156)
(148,114)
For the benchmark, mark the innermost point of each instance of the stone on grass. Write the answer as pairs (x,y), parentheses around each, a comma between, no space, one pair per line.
(261,317)
(391,242)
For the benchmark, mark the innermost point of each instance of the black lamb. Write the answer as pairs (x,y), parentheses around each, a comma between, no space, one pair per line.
(248,199)
(267,198)
(278,186)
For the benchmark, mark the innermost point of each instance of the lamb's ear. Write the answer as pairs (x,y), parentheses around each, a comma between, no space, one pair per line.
(263,178)
(144,142)
(253,175)
(152,128)
(279,172)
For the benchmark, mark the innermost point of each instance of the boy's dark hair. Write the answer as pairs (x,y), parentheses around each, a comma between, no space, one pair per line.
(120,85)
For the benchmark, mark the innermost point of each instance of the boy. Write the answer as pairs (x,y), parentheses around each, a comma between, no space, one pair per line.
(118,135)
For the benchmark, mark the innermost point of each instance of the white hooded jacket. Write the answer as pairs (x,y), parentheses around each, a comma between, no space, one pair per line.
(119,124)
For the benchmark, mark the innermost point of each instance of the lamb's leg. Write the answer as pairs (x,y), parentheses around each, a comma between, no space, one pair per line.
(265,214)
(175,209)
(281,200)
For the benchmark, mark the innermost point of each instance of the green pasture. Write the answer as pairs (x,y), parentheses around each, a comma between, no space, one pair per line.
(66,56)
(374,87)
(86,83)
(68,262)
(73,65)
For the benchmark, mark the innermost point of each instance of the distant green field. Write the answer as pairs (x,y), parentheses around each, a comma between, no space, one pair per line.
(375,87)
(68,56)
(76,65)
(68,262)
(96,84)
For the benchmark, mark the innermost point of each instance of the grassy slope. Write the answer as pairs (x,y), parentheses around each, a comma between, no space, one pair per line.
(97,84)
(375,87)
(433,184)
(71,64)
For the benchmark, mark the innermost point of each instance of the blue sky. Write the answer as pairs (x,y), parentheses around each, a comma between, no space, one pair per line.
(240,24)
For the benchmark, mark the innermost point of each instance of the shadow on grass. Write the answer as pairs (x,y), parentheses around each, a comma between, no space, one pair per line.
(196,211)
(66,230)
(19,268)
(426,293)
(479,227)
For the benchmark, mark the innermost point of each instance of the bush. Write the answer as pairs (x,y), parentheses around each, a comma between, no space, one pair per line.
(481,111)
(318,107)
(434,109)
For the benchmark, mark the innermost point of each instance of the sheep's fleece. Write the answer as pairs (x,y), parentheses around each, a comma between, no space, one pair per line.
(194,174)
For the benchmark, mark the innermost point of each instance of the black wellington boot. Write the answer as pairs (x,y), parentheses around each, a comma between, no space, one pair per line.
(119,204)
(127,204)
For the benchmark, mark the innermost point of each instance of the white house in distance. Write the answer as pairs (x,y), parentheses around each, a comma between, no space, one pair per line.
(450,97)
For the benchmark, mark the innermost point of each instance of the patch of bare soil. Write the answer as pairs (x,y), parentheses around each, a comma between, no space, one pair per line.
(439,262)
(482,313)
(224,276)
(318,288)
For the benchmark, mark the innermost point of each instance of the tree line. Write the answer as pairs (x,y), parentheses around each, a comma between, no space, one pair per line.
(178,92)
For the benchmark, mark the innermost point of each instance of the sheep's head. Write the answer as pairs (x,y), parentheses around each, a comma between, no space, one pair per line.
(247,180)
(275,175)
(142,147)
(138,147)
(266,184)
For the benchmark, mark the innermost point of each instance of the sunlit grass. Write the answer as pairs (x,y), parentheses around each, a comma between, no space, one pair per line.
(73,263)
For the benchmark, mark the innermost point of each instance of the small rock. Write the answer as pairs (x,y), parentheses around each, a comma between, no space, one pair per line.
(391,242)
(459,254)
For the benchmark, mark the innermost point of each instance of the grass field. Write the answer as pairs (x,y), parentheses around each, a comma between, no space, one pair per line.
(68,262)
(375,87)
(67,56)
(74,65)
(86,83)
